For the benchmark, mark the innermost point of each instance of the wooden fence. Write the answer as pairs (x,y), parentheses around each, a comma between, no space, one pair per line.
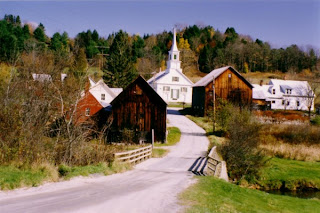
(134,156)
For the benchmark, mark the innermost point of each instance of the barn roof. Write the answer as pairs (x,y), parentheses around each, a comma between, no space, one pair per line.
(216,73)
(147,89)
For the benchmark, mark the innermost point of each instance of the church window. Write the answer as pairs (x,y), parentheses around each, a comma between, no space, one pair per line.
(184,89)
(166,88)
(274,91)
(175,56)
(175,79)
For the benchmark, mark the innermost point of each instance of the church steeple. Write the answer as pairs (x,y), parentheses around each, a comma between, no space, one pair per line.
(173,60)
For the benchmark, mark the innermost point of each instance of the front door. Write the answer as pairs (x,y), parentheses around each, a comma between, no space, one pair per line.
(175,94)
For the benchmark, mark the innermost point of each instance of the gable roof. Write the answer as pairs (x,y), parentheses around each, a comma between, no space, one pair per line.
(299,88)
(153,95)
(162,74)
(216,73)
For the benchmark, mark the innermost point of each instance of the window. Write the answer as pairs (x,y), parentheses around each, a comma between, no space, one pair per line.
(174,56)
(273,102)
(229,75)
(288,103)
(289,91)
(274,91)
(166,88)
(175,79)
(298,103)
(87,111)
(174,94)
(283,102)
(103,96)
(184,89)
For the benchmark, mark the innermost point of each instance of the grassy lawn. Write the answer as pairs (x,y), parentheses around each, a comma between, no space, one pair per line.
(292,173)
(179,105)
(159,153)
(213,195)
(172,138)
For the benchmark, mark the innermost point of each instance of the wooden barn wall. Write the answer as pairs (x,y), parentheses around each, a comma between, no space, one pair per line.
(233,89)
(136,111)
(198,100)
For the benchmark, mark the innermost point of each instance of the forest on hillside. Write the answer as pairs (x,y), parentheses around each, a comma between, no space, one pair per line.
(121,56)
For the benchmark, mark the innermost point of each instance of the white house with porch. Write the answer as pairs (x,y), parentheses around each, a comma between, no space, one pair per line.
(172,85)
(285,94)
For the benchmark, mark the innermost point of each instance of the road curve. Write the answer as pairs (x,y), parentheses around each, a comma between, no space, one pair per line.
(152,186)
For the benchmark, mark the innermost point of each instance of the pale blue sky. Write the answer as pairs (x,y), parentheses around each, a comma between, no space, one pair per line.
(281,23)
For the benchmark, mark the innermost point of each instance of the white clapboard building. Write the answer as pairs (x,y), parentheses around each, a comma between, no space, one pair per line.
(285,94)
(172,85)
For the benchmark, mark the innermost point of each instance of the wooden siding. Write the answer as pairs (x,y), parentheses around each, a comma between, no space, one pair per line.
(141,109)
(233,89)
(88,101)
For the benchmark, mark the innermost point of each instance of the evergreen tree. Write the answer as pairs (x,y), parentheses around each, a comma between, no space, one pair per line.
(120,70)
(39,33)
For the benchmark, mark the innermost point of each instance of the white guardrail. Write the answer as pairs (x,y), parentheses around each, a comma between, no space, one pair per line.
(134,156)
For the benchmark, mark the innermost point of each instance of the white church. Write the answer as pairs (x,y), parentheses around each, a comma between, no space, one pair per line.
(172,85)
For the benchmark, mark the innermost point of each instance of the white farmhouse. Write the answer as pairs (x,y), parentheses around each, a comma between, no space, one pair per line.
(102,93)
(285,94)
(172,85)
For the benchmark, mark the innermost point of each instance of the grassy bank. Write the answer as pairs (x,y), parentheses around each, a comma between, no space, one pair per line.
(214,195)
(173,137)
(159,153)
(290,174)
(12,177)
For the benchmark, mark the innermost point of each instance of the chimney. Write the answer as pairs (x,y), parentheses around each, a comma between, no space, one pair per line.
(261,82)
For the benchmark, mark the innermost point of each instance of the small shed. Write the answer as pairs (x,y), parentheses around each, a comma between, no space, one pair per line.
(140,109)
(229,85)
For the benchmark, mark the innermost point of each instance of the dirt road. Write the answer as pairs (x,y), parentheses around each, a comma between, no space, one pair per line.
(152,186)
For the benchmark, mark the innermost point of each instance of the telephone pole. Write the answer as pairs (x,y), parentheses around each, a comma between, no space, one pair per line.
(214,104)
(101,63)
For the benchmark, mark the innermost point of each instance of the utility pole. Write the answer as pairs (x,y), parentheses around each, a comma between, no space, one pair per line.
(214,104)
(102,54)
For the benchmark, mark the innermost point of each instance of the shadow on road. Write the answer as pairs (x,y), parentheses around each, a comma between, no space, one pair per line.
(173,112)
(193,133)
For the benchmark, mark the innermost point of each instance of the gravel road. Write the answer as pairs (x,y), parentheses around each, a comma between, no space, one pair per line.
(151,186)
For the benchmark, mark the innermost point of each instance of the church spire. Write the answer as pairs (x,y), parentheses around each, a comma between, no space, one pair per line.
(174,41)
(173,60)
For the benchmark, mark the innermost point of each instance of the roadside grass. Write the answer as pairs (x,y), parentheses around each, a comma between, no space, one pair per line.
(210,194)
(173,137)
(12,176)
(289,174)
(179,105)
(159,153)
(204,122)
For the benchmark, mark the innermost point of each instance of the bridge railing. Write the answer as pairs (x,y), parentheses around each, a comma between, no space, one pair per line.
(134,156)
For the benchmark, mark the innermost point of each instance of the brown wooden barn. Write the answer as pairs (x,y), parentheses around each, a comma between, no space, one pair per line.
(140,109)
(229,85)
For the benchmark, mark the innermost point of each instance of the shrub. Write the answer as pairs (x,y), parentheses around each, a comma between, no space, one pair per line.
(240,151)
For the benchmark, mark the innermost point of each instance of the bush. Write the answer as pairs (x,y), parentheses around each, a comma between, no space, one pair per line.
(316,121)
(240,151)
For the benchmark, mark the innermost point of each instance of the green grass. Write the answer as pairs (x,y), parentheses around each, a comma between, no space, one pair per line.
(292,173)
(213,195)
(204,122)
(173,137)
(68,172)
(159,153)
(12,177)
(179,105)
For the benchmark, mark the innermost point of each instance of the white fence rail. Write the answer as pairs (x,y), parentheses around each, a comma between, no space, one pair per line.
(134,156)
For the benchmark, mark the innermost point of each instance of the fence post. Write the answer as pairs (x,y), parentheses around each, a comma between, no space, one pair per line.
(152,134)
